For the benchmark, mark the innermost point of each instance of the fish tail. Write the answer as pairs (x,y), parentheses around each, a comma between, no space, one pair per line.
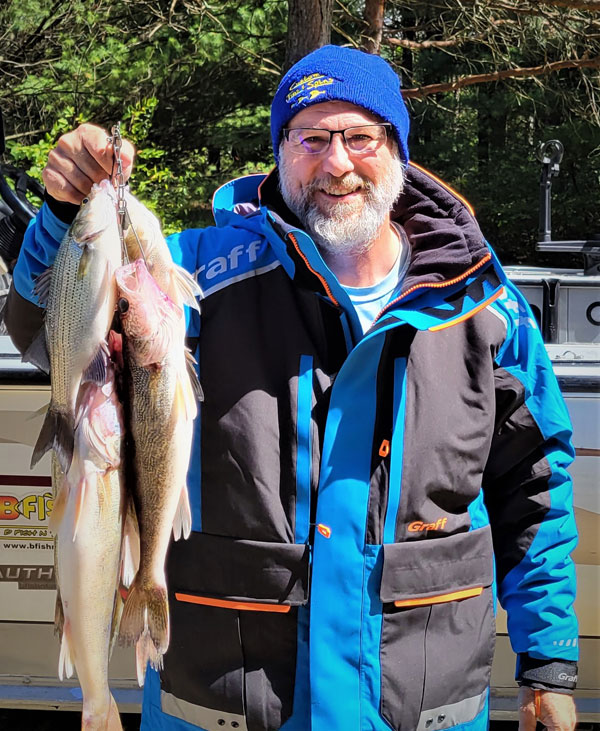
(57,433)
(146,610)
(109,721)
(65,659)
(114,720)
(146,652)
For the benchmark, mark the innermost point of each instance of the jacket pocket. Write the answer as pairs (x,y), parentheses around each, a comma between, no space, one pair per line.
(438,630)
(234,610)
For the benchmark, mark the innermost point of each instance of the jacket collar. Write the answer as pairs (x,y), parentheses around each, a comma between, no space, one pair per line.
(447,247)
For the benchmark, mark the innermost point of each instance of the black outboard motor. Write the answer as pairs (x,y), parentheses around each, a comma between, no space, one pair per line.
(15,209)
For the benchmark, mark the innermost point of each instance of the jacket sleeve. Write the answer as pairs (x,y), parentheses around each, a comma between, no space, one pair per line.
(23,315)
(528,494)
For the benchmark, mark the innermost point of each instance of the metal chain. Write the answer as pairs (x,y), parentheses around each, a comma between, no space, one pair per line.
(117,143)
(119,180)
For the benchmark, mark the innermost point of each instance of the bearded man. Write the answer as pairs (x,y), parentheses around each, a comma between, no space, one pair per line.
(382,447)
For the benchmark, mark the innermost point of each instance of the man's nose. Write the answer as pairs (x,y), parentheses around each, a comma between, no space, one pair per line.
(336,159)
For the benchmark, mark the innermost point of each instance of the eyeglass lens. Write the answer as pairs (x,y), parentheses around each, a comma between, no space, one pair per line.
(358,139)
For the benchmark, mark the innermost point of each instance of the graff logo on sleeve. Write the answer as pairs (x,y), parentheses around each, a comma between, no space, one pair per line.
(307,88)
(31,507)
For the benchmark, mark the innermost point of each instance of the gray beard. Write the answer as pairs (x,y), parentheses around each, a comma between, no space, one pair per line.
(344,229)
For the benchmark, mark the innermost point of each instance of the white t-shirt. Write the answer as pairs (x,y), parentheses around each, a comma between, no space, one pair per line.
(369,301)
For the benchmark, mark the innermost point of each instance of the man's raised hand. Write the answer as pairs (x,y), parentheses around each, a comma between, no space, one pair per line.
(80,159)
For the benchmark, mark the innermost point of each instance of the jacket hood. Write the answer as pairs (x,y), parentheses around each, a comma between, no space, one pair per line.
(445,237)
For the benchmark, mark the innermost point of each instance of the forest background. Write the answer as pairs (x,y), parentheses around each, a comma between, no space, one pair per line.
(485,80)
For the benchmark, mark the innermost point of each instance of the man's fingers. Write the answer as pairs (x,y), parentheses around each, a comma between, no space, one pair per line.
(80,176)
(527,720)
(81,158)
(60,188)
(96,142)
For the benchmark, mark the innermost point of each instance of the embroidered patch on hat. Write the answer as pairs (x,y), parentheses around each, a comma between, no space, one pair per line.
(308,88)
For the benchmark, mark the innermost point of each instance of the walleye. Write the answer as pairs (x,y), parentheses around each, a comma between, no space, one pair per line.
(80,297)
(88,520)
(162,407)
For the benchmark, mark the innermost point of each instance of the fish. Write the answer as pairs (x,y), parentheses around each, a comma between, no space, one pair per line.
(79,294)
(144,239)
(91,524)
(162,406)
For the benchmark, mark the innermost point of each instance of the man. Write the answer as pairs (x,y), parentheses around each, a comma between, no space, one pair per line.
(380,422)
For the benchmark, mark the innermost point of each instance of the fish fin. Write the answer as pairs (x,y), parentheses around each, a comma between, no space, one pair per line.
(190,363)
(84,261)
(88,482)
(42,411)
(37,352)
(59,615)
(41,287)
(57,433)
(182,524)
(181,406)
(130,551)
(96,370)
(116,621)
(186,286)
(65,659)
(58,509)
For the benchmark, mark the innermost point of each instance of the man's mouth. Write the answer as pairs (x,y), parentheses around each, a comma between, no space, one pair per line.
(340,195)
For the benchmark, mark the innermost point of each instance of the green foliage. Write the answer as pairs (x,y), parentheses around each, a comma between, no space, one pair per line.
(192,83)
(192,88)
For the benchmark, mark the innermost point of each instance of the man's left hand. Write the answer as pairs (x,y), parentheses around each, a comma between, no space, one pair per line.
(555,710)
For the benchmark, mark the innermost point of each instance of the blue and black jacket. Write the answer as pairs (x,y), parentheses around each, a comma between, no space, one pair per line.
(357,500)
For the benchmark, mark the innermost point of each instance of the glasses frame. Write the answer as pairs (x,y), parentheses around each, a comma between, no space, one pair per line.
(386,125)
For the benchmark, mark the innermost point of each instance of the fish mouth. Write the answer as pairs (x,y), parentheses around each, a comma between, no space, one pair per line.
(86,238)
(129,277)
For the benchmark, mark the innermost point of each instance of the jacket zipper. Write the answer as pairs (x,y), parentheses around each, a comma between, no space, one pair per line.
(317,275)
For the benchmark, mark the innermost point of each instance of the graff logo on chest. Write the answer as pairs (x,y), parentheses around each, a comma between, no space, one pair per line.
(417,525)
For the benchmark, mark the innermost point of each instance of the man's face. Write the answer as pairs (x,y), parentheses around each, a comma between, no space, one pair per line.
(343,199)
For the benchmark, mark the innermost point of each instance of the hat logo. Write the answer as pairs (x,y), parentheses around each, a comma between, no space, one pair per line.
(307,89)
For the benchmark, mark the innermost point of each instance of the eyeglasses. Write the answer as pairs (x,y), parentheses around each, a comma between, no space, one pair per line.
(359,140)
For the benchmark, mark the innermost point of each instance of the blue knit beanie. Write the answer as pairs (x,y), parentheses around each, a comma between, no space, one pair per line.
(332,73)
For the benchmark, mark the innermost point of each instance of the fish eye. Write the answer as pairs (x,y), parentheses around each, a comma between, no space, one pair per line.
(84,201)
(123,305)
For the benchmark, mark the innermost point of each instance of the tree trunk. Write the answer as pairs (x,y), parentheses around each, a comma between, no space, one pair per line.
(374,10)
(309,27)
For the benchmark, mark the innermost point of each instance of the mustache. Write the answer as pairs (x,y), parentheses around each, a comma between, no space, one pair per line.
(339,185)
